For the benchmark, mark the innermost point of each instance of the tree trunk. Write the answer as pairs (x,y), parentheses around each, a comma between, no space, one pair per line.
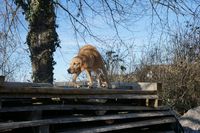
(42,38)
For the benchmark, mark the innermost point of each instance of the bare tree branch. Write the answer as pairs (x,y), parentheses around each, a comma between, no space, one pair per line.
(72,17)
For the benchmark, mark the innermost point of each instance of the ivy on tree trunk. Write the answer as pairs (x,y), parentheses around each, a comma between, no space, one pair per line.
(42,38)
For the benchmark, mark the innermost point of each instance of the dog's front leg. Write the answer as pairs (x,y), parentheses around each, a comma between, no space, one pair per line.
(74,80)
(89,78)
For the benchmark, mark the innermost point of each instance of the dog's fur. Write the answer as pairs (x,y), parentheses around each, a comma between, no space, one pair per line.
(89,59)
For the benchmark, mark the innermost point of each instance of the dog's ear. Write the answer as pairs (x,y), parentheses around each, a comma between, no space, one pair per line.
(84,65)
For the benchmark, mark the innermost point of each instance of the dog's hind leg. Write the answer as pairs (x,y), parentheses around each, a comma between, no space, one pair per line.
(105,74)
(98,78)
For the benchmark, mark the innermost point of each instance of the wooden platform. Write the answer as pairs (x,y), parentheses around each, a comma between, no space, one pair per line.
(26,107)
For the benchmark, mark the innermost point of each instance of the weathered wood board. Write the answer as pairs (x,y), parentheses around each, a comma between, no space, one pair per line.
(59,108)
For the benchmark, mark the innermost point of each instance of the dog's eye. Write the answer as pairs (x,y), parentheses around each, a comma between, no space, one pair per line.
(76,65)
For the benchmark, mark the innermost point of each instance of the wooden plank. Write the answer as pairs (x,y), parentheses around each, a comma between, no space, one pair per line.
(44,129)
(22,124)
(156,103)
(0,103)
(138,86)
(81,107)
(121,85)
(147,102)
(158,121)
(89,96)
(71,91)
(159,131)
(164,131)
(35,115)
(26,84)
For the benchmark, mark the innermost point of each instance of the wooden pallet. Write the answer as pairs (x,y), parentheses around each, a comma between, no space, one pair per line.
(45,108)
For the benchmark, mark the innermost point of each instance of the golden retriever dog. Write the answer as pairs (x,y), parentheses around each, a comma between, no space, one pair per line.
(88,60)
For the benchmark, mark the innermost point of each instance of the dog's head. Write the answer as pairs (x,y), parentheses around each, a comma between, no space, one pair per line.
(75,65)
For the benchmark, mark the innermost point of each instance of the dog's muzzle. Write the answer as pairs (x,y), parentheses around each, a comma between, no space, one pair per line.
(69,71)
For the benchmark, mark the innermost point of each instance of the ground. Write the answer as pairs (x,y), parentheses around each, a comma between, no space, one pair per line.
(191,120)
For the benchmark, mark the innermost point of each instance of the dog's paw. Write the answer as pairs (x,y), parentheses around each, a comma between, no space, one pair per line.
(90,85)
(76,85)
(105,85)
